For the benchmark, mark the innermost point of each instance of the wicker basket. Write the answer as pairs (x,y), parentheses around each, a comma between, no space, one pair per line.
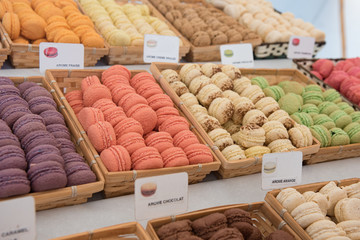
(4,46)
(68,195)
(119,183)
(230,169)
(131,230)
(263,216)
(275,204)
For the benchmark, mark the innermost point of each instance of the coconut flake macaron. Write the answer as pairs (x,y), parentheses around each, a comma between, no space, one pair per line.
(209,69)
(300,136)
(253,92)
(221,138)
(250,135)
(208,93)
(254,117)
(223,81)
(274,130)
(233,153)
(222,109)
(267,105)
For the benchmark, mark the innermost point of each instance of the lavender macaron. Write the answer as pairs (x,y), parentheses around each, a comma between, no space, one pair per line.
(13,113)
(12,157)
(47,176)
(35,91)
(7,101)
(4,127)
(43,153)
(66,146)
(72,157)
(36,138)
(22,87)
(13,181)
(9,90)
(59,131)
(79,173)
(27,124)
(52,117)
(7,138)
(6,81)
(40,104)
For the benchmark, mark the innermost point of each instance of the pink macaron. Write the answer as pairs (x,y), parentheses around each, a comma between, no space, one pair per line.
(174,157)
(89,80)
(130,100)
(141,78)
(185,138)
(160,100)
(119,91)
(94,93)
(144,115)
(89,116)
(116,70)
(146,158)
(159,140)
(174,125)
(132,141)
(165,113)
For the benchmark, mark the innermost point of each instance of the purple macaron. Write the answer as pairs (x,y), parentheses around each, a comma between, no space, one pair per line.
(66,146)
(79,173)
(6,101)
(13,113)
(4,127)
(36,138)
(12,157)
(47,176)
(52,117)
(13,181)
(22,87)
(58,131)
(72,157)
(27,124)
(40,104)
(43,153)
(9,90)
(35,91)
(7,138)
(6,81)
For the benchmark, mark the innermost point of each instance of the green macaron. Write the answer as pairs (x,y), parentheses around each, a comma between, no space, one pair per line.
(310,109)
(292,87)
(355,116)
(313,97)
(340,118)
(324,120)
(313,88)
(322,134)
(290,103)
(339,137)
(303,118)
(353,130)
(346,107)
(275,92)
(327,107)
(332,95)
(260,81)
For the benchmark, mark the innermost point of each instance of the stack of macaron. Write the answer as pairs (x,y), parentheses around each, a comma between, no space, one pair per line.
(240,120)
(133,124)
(48,21)
(201,25)
(330,213)
(343,75)
(124,25)
(262,18)
(330,120)
(35,139)
(234,223)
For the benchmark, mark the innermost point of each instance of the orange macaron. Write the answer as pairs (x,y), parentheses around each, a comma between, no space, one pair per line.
(89,116)
(116,158)
(131,141)
(144,115)
(89,80)
(114,115)
(101,135)
(174,157)
(146,158)
(94,93)
(128,125)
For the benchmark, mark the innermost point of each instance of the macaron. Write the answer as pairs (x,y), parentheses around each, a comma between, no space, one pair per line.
(340,118)
(185,138)
(28,123)
(260,81)
(66,146)
(313,88)
(59,131)
(256,151)
(307,213)
(165,113)
(149,89)
(116,158)
(325,120)
(145,115)
(12,157)
(323,66)
(116,70)
(89,80)
(355,116)
(43,153)
(76,105)
(4,127)
(40,104)
(52,117)
(303,118)
(353,130)
(233,153)
(174,125)
(174,157)
(146,158)
(47,175)
(102,135)
(6,81)
(131,99)
(114,115)
(198,153)
(25,85)
(310,109)
(104,104)
(346,107)
(128,125)
(279,234)
(94,93)
(160,100)
(79,173)
(114,80)
(74,95)
(335,79)
(13,182)
(322,134)
(89,116)
(339,137)
(35,91)
(332,95)
(290,103)
(12,113)
(313,97)
(275,92)
(119,91)
(132,141)
(7,101)
(347,209)
(327,107)
(159,140)
(9,90)
(292,87)
(140,79)
(7,138)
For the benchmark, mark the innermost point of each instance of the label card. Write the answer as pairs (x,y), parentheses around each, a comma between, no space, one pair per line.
(281,170)
(239,55)
(301,47)
(17,219)
(158,48)
(61,56)
(161,196)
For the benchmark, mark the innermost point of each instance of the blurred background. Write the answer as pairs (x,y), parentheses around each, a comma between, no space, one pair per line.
(325,15)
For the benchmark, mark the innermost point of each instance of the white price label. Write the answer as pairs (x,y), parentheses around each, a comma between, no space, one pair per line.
(161,196)
(17,219)
(159,48)
(281,170)
(239,55)
(60,56)
(301,47)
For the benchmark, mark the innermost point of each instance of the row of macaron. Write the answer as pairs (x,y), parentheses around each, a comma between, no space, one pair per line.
(234,223)
(330,212)
(140,121)
(344,76)
(35,139)
(237,110)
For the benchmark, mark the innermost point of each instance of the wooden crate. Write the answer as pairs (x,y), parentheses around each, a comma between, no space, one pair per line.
(130,231)
(119,183)
(68,195)
(263,216)
(4,46)
(275,204)
(246,166)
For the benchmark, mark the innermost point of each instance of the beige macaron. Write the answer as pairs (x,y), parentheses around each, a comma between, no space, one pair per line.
(300,136)
(241,107)
(281,145)
(189,99)
(249,136)
(240,84)
(170,75)
(274,130)
(290,198)
(256,151)
(352,228)
(198,83)
(267,105)
(353,190)
(231,127)
(221,138)
(189,76)
(194,109)
(347,209)
(255,117)
(233,153)
(324,229)
(186,68)
(223,81)
(318,198)
(209,69)
(207,122)
(334,194)
(179,88)
(307,213)
(231,71)
(222,109)
(283,117)
(208,93)
(253,92)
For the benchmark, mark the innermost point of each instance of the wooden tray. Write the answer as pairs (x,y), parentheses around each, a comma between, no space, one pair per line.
(275,204)
(119,183)
(246,166)
(68,195)
(4,46)
(304,65)
(263,216)
(125,231)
